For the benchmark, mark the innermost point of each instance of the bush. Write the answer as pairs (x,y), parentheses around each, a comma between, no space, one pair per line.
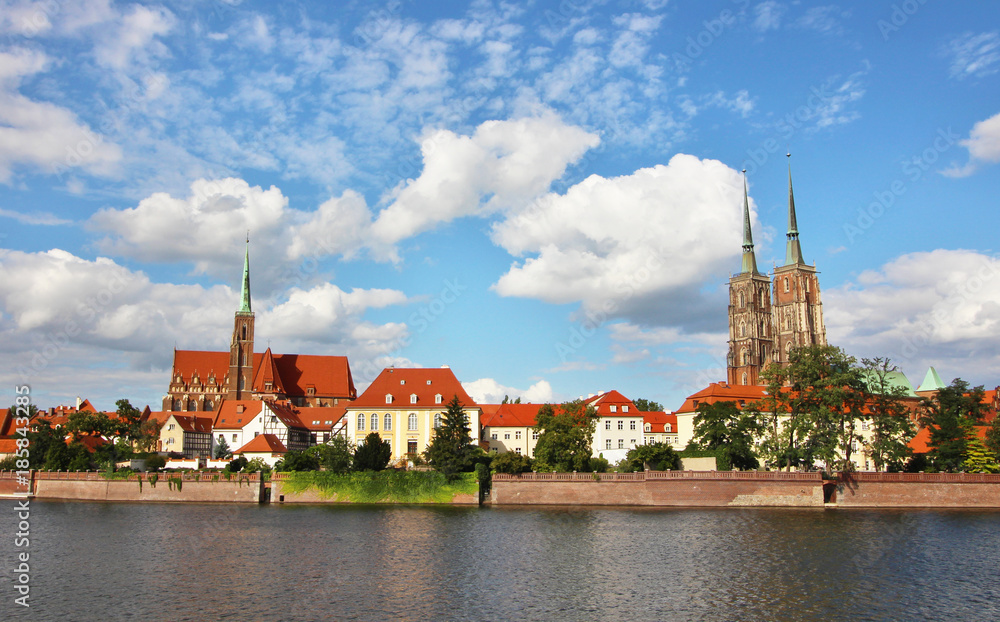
(9,464)
(511,463)
(658,456)
(300,461)
(236,465)
(155,462)
(599,464)
(258,464)
(372,454)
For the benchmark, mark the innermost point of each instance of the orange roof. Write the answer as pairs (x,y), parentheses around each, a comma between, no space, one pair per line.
(723,392)
(8,445)
(513,415)
(160,417)
(194,423)
(320,418)
(921,442)
(267,373)
(234,414)
(602,403)
(327,375)
(6,422)
(263,444)
(657,420)
(402,382)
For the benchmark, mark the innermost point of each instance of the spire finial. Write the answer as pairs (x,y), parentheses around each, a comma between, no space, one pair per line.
(245,293)
(749,259)
(793,251)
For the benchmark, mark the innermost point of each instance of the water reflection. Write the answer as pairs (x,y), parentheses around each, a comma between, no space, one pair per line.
(197,562)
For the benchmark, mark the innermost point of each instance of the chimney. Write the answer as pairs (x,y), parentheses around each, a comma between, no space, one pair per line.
(79,402)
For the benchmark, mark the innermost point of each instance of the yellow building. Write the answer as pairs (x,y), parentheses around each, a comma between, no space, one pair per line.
(404,405)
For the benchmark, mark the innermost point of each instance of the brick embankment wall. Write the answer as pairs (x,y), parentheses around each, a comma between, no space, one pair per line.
(918,490)
(94,487)
(661,489)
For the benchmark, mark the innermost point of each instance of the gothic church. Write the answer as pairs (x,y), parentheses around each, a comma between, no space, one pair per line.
(763,330)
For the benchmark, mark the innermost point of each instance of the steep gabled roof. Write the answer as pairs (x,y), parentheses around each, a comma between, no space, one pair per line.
(192,423)
(932,381)
(263,444)
(424,382)
(234,414)
(657,420)
(320,418)
(602,403)
(326,375)
(267,373)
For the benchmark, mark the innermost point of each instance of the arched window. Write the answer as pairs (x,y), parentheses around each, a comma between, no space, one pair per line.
(786,284)
(744,357)
(437,420)
(192,405)
(244,332)
(744,378)
(743,329)
(177,404)
(411,422)
(361,421)
(209,406)
(387,422)
(374,422)
(743,300)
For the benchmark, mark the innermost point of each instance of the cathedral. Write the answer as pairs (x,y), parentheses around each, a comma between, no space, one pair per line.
(200,380)
(763,329)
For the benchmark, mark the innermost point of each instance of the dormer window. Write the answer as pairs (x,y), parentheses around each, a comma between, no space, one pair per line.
(624,408)
(647,428)
(239,408)
(311,391)
(666,427)
(413,398)
(614,408)
(437,398)
(388,398)
(267,386)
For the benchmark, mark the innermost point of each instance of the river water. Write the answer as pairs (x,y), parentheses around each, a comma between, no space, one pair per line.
(107,561)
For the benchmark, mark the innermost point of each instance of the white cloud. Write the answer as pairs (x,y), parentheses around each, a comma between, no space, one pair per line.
(983,144)
(974,55)
(937,308)
(34,218)
(489,391)
(41,134)
(824,19)
(503,165)
(767,16)
(134,37)
(623,246)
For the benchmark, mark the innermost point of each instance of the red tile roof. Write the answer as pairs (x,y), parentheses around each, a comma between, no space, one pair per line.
(267,373)
(921,442)
(328,375)
(8,445)
(320,418)
(513,415)
(602,403)
(160,417)
(402,382)
(234,414)
(6,422)
(657,420)
(194,423)
(263,444)
(723,392)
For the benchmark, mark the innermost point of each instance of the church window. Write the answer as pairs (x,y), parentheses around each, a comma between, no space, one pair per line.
(192,405)
(361,421)
(387,422)
(744,357)
(743,300)
(807,285)
(744,378)
(786,284)
(374,422)
(743,329)
(411,422)
(209,406)
(244,332)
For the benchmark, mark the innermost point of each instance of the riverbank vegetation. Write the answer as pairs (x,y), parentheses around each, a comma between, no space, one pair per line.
(382,487)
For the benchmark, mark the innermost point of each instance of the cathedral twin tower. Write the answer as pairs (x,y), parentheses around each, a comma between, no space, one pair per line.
(762,331)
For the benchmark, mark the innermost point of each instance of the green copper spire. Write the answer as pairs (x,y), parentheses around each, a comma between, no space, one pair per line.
(245,296)
(749,259)
(793,252)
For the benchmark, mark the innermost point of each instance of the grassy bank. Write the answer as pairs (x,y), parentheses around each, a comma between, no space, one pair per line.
(382,487)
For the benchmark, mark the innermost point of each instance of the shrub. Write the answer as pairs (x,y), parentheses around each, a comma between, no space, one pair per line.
(511,463)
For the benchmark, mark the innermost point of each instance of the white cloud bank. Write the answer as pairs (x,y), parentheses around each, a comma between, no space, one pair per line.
(489,391)
(983,144)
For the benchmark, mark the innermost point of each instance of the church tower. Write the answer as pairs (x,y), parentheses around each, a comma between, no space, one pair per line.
(750,330)
(241,347)
(798,312)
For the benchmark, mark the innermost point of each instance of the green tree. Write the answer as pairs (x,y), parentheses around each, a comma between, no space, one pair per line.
(645,405)
(978,459)
(372,454)
(258,464)
(993,438)
(659,457)
(722,426)
(450,449)
(336,455)
(222,449)
(950,415)
(42,436)
(564,437)
(298,461)
(510,462)
(891,429)
(823,403)
(507,400)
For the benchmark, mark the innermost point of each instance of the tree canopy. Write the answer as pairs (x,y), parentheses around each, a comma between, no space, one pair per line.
(659,457)
(724,427)
(890,419)
(564,436)
(451,450)
(950,415)
(645,405)
(372,454)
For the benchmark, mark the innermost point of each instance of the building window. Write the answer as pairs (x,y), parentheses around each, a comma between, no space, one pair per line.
(621,443)
(743,300)
(234,438)
(646,427)
(517,450)
(494,436)
(170,427)
(666,427)
(607,444)
(387,422)
(624,408)
(607,424)
(786,284)
(517,435)
(437,420)
(631,425)
(614,408)
(437,398)
(744,379)
(495,449)
(361,421)
(534,436)
(374,422)
(413,398)
(621,424)
(411,446)
(506,436)
(411,422)
(388,398)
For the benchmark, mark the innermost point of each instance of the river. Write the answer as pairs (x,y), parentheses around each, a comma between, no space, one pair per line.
(91,561)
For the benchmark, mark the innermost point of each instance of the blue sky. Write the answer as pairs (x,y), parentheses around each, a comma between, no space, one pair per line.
(546,197)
